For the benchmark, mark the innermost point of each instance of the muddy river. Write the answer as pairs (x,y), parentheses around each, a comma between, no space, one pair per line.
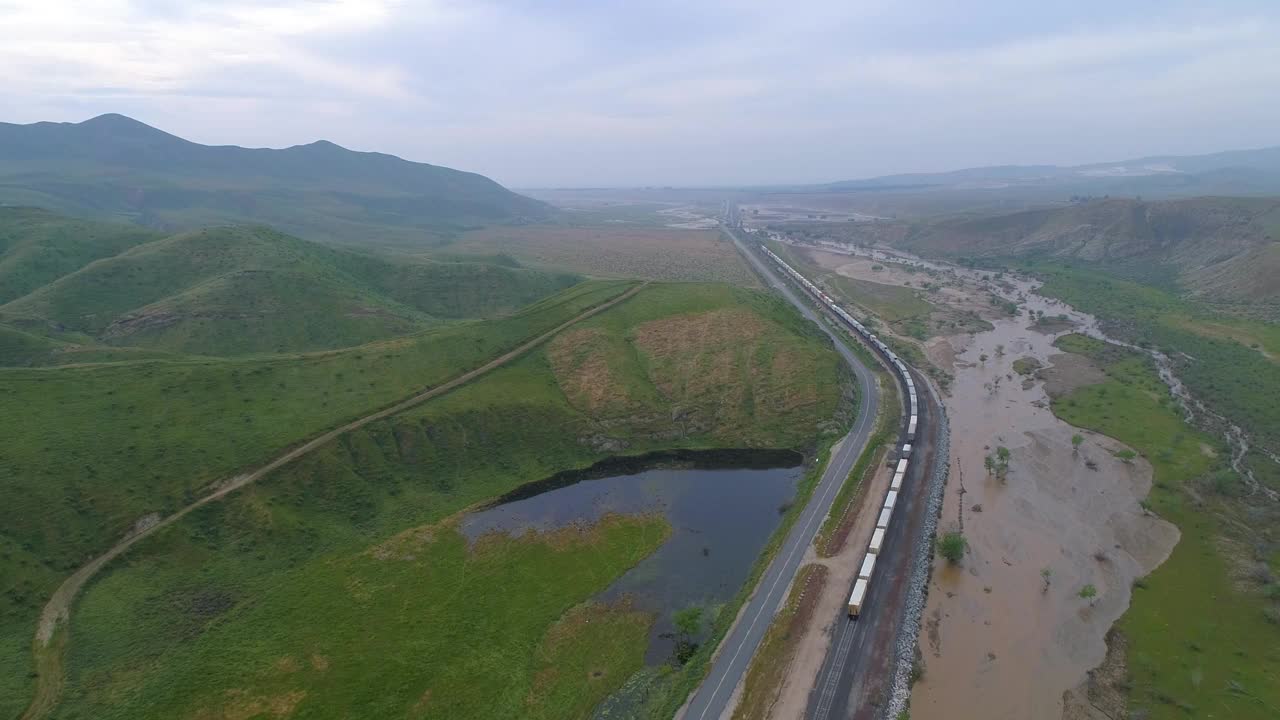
(721,518)
(1006,633)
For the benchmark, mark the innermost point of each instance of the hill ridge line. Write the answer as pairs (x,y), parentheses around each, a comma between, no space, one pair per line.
(57,611)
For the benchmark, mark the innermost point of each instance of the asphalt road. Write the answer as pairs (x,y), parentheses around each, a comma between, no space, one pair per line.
(711,699)
(855,676)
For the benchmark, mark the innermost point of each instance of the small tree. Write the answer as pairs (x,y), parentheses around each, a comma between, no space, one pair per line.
(1000,351)
(990,463)
(1090,593)
(1002,461)
(1126,456)
(688,624)
(1076,441)
(952,546)
(1046,574)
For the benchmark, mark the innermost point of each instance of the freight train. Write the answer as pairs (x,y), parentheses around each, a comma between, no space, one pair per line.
(859,594)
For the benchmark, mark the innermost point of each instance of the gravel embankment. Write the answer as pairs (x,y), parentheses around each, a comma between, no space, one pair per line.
(918,591)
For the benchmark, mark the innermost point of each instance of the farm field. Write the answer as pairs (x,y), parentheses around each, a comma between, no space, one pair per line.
(361,522)
(618,250)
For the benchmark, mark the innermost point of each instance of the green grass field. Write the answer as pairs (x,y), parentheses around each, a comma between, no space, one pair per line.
(98,447)
(893,303)
(1233,365)
(227,612)
(1203,639)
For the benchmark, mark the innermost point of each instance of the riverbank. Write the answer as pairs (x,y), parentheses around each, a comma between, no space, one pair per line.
(999,633)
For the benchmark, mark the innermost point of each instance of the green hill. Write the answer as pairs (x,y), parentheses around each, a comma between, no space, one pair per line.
(678,365)
(238,290)
(113,166)
(1222,250)
(38,246)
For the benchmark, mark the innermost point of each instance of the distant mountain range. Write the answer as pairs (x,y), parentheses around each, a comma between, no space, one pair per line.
(1236,172)
(115,167)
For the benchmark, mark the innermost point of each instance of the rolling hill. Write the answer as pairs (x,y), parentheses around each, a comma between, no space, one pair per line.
(112,166)
(1218,249)
(229,290)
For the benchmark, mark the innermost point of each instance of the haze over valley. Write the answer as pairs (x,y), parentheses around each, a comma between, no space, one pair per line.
(493,360)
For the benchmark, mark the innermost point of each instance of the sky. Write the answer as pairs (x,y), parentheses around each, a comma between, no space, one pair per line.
(596,93)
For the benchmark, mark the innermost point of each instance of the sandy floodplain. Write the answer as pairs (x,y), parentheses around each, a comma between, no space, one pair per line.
(1006,633)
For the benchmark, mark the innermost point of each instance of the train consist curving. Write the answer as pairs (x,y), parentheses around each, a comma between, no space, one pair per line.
(859,594)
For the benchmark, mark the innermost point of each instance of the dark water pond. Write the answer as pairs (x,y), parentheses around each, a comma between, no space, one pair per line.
(722,508)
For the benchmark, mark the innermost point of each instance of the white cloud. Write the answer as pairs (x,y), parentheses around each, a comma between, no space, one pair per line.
(719,91)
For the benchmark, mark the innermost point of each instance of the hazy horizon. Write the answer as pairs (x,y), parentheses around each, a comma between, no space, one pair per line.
(577,94)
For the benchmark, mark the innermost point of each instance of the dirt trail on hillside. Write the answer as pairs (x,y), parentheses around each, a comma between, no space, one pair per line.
(57,611)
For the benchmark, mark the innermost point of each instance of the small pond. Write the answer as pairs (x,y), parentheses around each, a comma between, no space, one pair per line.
(722,507)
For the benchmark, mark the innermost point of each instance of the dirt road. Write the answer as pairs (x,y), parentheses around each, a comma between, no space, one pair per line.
(56,614)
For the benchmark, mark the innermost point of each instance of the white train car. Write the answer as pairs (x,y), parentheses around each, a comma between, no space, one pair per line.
(891,500)
(911,426)
(906,450)
(877,542)
(902,465)
(857,597)
(868,567)
(896,483)
(885,516)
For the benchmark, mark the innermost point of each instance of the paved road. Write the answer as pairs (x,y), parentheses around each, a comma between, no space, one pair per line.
(711,699)
(855,676)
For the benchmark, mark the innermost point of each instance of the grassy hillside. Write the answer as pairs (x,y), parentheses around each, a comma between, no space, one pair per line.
(1201,631)
(38,247)
(98,447)
(1220,250)
(1233,365)
(113,166)
(237,290)
(281,595)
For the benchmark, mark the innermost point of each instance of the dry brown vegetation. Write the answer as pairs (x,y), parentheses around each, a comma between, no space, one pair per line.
(646,252)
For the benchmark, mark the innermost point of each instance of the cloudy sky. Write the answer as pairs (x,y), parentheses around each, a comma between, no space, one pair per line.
(539,93)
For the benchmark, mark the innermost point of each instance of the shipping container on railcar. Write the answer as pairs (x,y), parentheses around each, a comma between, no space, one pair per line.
(868,567)
(883,521)
(877,541)
(891,500)
(857,597)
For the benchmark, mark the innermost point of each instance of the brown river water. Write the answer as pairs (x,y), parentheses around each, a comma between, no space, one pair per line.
(999,642)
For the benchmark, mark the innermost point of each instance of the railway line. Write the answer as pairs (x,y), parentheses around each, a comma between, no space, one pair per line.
(858,671)
(714,697)
(859,665)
